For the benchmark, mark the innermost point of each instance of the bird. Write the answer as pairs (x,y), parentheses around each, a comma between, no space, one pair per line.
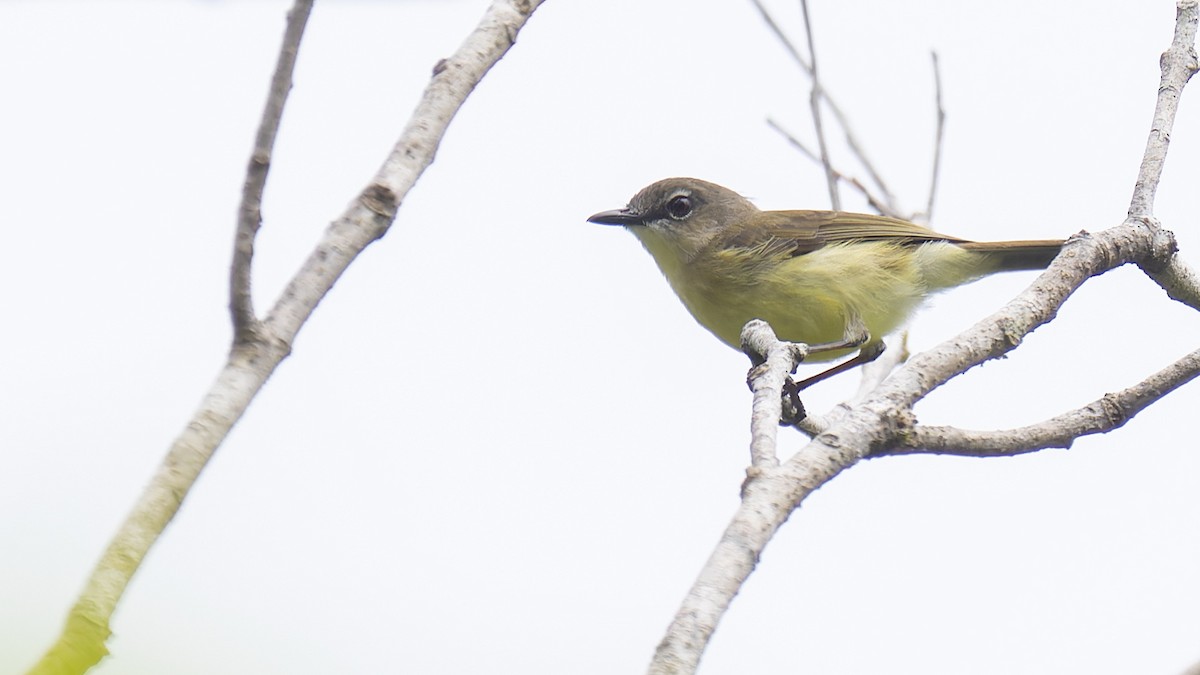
(815,276)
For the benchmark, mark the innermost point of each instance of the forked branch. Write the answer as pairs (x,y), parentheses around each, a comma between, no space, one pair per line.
(251,361)
(1106,413)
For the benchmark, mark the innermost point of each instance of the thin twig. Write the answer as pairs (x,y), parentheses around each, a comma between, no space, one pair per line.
(886,208)
(787,42)
(938,134)
(1104,414)
(877,203)
(241,304)
(814,101)
(839,115)
(768,498)
(859,152)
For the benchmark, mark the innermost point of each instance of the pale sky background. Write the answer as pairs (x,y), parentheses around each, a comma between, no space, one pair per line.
(501,445)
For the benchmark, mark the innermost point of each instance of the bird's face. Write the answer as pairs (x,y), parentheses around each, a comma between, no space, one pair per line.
(679,215)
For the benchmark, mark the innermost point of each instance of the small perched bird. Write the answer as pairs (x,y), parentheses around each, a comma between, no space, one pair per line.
(815,276)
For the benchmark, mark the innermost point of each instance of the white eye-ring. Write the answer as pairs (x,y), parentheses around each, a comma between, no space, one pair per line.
(679,207)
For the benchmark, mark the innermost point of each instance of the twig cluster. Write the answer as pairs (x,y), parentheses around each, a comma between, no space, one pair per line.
(877,193)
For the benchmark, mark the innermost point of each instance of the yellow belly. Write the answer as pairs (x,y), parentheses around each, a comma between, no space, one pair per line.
(814,297)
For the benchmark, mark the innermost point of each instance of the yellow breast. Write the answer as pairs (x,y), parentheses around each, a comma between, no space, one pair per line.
(808,298)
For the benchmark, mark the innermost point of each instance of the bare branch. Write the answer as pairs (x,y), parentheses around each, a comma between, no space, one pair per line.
(881,204)
(799,145)
(1084,256)
(1178,65)
(814,101)
(251,363)
(787,42)
(1104,414)
(372,213)
(938,135)
(241,304)
(851,139)
(877,203)
(768,498)
(861,153)
(1179,280)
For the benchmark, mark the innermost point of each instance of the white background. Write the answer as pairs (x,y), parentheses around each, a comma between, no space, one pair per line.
(501,445)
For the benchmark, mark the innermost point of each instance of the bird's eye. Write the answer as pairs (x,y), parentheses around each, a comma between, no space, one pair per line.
(679,207)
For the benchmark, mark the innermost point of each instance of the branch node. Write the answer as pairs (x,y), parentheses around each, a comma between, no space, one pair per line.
(380,200)
(1114,413)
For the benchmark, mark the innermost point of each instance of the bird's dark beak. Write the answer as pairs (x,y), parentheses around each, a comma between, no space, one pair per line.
(617,217)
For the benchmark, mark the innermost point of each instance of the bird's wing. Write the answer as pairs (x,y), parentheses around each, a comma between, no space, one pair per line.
(799,232)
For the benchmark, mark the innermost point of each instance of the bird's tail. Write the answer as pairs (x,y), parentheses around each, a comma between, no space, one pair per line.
(1017,255)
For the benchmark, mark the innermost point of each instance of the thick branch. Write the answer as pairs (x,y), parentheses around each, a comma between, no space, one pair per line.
(1084,255)
(1104,414)
(768,497)
(251,363)
(1179,280)
(241,304)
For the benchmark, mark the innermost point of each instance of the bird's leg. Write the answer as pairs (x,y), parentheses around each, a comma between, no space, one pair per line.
(865,355)
(856,335)
(756,344)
